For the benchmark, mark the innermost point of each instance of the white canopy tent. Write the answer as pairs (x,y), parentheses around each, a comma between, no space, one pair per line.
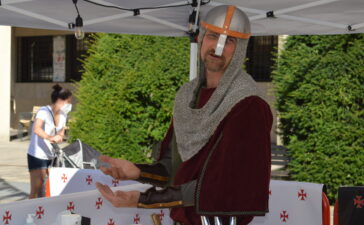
(268,17)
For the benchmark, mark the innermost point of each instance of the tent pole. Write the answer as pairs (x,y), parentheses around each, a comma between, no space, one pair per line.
(35,15)
(357,26)
(154,19)
(293,9)
(193,41)
(8,2)
(303,6)
(313,21)
(129,14)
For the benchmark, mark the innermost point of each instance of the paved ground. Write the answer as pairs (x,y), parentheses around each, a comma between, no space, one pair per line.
(14,177)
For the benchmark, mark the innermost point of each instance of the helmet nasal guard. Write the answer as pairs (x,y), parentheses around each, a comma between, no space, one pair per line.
(227,21)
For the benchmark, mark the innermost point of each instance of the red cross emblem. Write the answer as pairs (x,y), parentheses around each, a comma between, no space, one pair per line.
(111,222)
(161,215)
(71,206)
(64,178)
(98,203)
(302,195)
(88,179)
(284,216)
(136,219)
(7,217)
(358,201)
(40,212)
(115,182)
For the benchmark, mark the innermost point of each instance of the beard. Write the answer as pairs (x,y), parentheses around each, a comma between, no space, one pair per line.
(213,62)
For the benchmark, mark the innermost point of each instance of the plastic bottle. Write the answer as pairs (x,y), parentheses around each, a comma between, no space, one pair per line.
(30,220)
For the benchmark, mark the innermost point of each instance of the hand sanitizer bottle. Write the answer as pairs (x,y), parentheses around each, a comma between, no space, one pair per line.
(30,220)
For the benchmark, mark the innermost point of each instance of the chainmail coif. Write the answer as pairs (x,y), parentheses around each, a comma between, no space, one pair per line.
(193,127)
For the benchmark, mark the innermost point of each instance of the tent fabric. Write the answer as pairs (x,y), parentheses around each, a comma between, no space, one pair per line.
(268,17)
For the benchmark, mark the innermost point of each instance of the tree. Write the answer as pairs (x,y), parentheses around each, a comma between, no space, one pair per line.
(319,83)
(126,94)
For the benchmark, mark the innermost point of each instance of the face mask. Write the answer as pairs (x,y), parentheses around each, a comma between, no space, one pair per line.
(66,108)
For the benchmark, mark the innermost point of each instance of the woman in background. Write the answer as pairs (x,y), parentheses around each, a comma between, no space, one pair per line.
(48,128)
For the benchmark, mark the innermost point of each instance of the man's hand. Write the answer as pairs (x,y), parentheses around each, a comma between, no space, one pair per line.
(120,169)
(119,198)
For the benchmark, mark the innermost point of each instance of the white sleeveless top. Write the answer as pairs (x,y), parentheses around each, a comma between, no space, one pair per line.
(39,147)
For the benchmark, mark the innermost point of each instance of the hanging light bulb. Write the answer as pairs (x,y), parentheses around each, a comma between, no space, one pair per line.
(79,33)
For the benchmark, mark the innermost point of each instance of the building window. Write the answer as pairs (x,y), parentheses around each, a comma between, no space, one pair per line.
(36,59)
(261,51)
(76,51)
(44,59)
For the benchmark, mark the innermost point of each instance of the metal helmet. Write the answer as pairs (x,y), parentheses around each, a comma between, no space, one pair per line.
(227,20)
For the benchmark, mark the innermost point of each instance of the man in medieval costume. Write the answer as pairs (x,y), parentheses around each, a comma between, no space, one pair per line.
(215,157)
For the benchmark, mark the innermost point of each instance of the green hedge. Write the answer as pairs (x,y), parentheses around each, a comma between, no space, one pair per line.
(126,94)
(319,83)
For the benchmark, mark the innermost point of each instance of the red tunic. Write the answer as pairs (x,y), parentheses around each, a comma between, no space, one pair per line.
(237,160)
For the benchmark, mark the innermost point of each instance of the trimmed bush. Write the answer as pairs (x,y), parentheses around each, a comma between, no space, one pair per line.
(126,94)
(319,83)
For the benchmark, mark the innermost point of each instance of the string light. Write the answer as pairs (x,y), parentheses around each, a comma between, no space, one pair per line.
(194,2)
(78,25)
(79,32)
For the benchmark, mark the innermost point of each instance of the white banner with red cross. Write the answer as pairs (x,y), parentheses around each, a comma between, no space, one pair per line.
(69,180)
(87,204)
(290,203)
(293,203)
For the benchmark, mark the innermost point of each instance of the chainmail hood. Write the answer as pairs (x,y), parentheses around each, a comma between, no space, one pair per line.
(193,127)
